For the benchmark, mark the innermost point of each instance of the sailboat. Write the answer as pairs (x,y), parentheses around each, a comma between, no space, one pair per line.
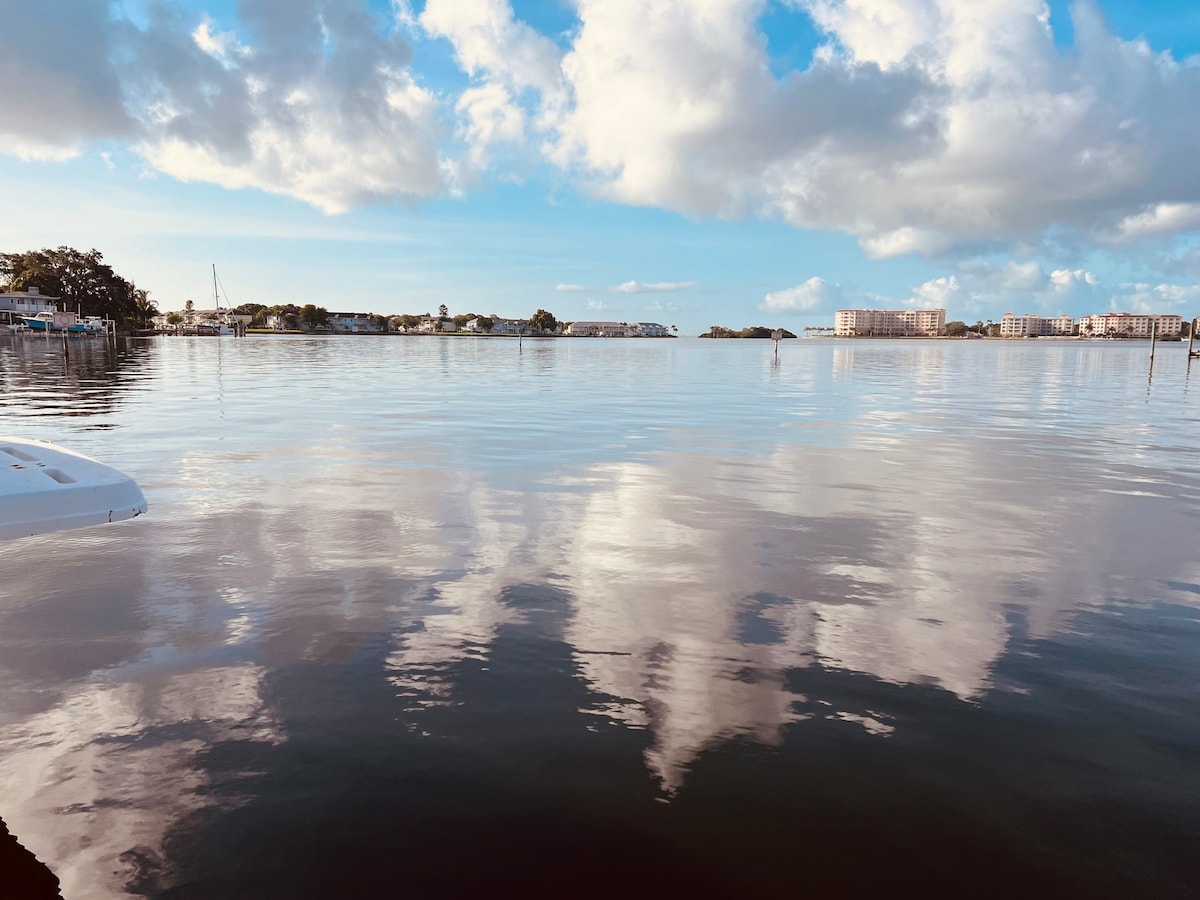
(224,324)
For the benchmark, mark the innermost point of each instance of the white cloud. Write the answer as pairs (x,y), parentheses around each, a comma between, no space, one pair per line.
(60,88)
(490,43)
(922,125)
(221,45)
(919,127)
(491,118)
(596,304)
(1162,218)
(563,286)
(321,107)
(647,287)
(811,295)
(937,293)
(1156,298)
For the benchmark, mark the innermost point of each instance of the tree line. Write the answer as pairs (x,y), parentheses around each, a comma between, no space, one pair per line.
(755,331)
(82,282)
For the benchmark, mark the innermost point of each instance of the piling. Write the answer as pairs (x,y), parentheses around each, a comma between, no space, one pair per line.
(1153,339)
(1192,337)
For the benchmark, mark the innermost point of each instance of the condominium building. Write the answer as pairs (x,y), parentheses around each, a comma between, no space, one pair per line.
(1036,326)
(889,322)
(1130,325)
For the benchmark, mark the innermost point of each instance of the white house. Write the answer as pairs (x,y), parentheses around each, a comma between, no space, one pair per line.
(598,329)
(27,303)
(353,323)
(651,329)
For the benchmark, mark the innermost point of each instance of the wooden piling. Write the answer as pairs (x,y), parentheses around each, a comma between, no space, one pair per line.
(1153,339)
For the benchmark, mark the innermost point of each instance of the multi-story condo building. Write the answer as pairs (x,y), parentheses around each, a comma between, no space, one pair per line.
(1036,326)
(889,322)
(1130,325)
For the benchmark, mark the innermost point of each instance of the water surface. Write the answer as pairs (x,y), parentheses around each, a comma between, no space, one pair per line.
(425,616)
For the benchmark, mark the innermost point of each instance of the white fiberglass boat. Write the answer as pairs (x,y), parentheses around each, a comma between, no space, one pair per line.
(46,488)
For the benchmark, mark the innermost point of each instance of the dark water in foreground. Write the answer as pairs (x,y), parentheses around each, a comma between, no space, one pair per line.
(425,617)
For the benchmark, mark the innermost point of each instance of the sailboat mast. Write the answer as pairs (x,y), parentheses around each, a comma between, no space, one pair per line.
(216,293)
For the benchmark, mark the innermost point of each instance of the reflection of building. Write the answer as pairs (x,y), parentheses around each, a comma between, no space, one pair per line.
(1131,325)
(889,322)
(1036,326)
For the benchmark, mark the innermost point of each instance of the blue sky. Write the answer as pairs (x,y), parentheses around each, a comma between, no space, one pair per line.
(693,162)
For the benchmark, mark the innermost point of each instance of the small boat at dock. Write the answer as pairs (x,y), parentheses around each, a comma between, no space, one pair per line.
(44,321)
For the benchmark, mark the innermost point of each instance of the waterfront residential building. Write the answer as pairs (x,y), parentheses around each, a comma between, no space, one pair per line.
(1122,324)
(598,329)
(353,323)
(1036,326)
(889,322)
(27,303)
(651,329)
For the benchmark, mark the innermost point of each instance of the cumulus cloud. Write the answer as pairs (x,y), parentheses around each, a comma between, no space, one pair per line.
(650,287)
(60,88)
(310,100)
(491,119)
(507,59)
(319,105)
(1156,298)
(811,295)
(922,125)
(937,293)
(1162,218)
(982,288)
(919,126)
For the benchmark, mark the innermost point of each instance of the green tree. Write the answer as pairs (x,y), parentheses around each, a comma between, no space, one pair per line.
(81,281)
(144,307)
(542,321)
(444,311)
(956,329)
(314,316)
(486,323)
(174,318)
(189,306)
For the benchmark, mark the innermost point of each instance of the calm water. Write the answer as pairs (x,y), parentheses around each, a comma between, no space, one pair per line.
(425,617)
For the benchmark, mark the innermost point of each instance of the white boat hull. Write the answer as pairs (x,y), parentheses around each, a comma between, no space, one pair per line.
(46,488)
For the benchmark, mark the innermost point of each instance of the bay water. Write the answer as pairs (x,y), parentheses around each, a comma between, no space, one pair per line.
(436,616)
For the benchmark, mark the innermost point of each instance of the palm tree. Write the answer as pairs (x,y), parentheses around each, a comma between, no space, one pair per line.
(145,308)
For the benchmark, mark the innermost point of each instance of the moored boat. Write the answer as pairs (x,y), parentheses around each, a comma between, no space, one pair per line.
(44,321)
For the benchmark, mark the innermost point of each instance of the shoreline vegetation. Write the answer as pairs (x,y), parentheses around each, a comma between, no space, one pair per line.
(757,332)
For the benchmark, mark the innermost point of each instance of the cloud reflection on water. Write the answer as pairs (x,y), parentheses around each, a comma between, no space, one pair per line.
(695,580)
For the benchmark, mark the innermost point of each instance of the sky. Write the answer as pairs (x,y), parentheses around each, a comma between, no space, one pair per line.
(689,162)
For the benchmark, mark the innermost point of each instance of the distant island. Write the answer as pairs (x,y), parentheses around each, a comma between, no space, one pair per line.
(757,331)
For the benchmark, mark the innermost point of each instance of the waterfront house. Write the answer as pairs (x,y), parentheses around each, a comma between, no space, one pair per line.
(27,303)
(598,329)
(651,329)
(353,323)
